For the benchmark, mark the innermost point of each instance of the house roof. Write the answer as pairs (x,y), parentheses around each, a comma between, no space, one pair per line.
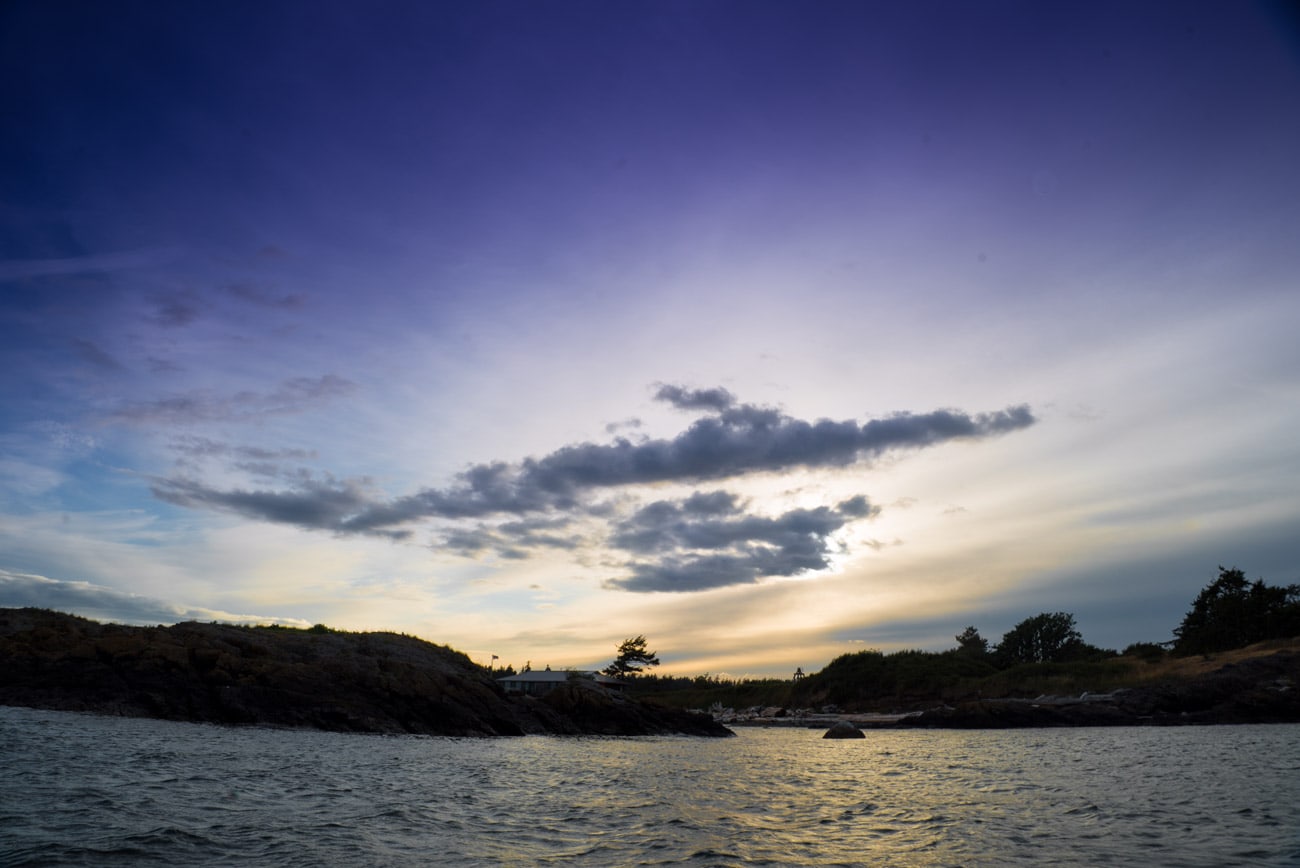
(552,676)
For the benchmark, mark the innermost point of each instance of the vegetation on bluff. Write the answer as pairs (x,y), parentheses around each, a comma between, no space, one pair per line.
(318,678)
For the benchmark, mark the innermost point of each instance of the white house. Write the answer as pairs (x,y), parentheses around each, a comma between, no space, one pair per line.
(535,683)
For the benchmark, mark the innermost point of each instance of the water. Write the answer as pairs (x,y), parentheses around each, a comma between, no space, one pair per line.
(84,790)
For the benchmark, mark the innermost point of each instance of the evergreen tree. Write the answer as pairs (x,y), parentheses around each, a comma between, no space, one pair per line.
(1232,612)
(631,658)
(972,644)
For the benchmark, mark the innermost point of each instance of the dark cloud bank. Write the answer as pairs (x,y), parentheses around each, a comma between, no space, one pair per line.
(708,541)
(704,541)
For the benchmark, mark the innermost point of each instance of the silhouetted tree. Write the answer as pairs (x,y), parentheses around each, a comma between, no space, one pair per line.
(632,657)
(1231,612)
(1046,638)
(1148,651)
(972,644)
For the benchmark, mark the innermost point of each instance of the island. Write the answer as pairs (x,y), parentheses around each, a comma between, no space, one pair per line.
(315,678)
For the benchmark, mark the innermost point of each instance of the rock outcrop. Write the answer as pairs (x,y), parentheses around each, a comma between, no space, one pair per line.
(321,679)
(843,729)
(583,709)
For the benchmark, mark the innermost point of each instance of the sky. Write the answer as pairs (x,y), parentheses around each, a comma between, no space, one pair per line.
(771,331)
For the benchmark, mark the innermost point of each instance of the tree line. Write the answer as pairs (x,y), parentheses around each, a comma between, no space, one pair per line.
(1229,613)
(1232,612)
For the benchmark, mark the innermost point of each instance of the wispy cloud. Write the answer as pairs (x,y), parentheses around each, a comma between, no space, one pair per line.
(176,309)
(204,447)
(16,269)
(260,296)
(19,590)
(292,396)
(91,353)
(278,464)
(325,504)
(513,539)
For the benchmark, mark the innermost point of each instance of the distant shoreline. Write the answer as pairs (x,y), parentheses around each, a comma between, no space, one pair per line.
(389,683)
(1258,690)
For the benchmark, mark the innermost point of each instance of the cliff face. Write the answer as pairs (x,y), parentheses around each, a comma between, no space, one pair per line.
(357,682)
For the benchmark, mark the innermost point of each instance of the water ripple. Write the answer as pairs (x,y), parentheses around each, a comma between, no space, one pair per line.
(80,790)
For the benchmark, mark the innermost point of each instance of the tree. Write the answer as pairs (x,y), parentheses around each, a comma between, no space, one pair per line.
(631,658)
(1148,651)
(1231,612)
(971,644)
(1046,638)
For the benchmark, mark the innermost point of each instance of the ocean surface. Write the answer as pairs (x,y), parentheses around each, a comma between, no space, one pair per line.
(85,790)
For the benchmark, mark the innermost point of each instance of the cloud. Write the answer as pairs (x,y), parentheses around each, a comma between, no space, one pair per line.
(714,571)
(176,309)
(271,251)
(16,269)
(615,427)
(254,460)
(92,354)
(202,447)
(682,398)
(737,441)
(512,539)
(312,504)
(25,478)
(706,542)
(292,396)
(19,590)
(163,366)
(262,297)
(65,437)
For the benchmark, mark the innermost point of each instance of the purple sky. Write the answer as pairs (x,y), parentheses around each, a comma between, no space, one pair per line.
(768,330)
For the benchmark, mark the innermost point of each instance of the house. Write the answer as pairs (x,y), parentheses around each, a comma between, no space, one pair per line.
(536,683)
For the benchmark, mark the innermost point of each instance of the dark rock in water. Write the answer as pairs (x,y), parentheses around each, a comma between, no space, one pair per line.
(844,729)
(318,679)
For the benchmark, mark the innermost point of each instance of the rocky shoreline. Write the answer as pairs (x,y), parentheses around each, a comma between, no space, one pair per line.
(318,679)
(1261,689)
